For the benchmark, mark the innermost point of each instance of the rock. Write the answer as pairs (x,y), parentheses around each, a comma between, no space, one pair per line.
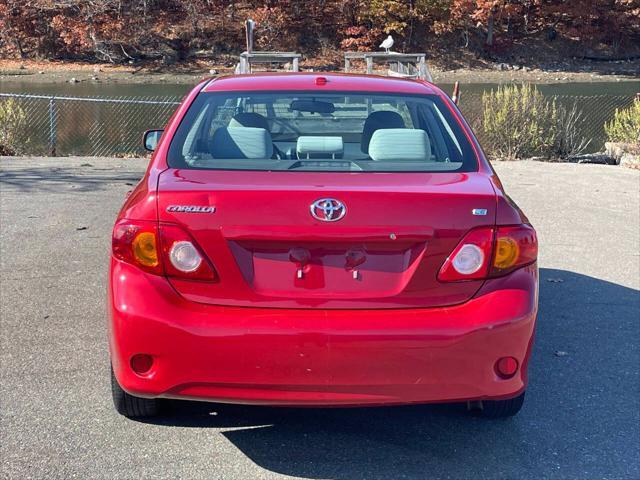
(169,56)
(73,80)
(526,69)
(213,71)
(630,160)
(502,66)
(515,67)
(614,150)
(41,72)
(22,67)
(97,69)
(596,158)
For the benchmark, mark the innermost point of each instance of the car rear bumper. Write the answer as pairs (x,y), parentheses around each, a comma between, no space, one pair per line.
(320,357)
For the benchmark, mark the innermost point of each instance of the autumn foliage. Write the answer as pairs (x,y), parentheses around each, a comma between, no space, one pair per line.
(123,30)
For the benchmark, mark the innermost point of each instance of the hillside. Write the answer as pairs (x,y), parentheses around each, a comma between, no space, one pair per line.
(455,33)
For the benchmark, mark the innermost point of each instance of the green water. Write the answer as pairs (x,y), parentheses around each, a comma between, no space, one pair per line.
(84,128)
(91,89)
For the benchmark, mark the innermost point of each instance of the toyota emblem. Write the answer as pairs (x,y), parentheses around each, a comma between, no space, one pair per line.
(328,210)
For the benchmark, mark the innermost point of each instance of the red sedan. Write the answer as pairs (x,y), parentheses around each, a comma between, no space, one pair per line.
(308,240)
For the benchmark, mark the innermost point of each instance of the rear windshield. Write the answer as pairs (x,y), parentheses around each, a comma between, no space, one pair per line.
(334,132)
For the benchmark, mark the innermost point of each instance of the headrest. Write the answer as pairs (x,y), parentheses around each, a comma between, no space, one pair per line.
(241,142)
(319,147)
(406,144)
(376,121)
(249,119)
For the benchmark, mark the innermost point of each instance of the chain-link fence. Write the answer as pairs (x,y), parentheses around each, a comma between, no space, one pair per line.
(591,114)
(60,125)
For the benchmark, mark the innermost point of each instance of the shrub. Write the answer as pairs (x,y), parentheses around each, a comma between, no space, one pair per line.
(625,125)
(569,141)
(12,127)
(518,122)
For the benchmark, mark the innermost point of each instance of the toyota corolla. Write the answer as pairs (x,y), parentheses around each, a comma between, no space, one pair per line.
(320,240)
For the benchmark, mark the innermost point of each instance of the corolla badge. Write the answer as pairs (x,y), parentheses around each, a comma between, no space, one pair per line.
(191,209)
(328,210)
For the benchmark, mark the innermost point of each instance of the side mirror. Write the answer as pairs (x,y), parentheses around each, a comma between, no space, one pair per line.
(151,139)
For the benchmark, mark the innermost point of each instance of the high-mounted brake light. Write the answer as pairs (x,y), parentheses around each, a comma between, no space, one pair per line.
(161,250)
(490,252)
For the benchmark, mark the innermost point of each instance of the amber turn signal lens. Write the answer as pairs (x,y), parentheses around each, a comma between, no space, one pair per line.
(507,252)
(144,249)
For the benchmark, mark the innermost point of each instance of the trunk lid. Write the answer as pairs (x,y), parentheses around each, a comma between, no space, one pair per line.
(269,251)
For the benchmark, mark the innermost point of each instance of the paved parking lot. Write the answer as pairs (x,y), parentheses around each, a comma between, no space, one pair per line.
(581,418)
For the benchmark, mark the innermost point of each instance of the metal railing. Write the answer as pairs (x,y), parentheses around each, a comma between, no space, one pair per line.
(64,125)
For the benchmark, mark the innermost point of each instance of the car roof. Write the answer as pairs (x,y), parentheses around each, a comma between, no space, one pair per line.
(343,82)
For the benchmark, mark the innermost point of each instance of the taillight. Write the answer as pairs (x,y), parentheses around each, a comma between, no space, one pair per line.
(490,252)
(515,247)
(183,258)
(161,250)
(470,259)
(136,242)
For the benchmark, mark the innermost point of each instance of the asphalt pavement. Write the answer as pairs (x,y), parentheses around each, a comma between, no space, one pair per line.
(581,418)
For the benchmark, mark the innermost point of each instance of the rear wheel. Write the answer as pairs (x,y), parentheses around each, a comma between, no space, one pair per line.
(130,406)
(502,408)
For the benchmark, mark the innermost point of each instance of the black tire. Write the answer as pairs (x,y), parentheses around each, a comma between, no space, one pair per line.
(502,408)
(130,406)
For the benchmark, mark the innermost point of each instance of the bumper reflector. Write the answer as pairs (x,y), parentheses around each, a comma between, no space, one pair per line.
(506,367)
(141,363)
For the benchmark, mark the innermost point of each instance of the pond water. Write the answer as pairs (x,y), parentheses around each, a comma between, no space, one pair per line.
(99,129)
(89,88)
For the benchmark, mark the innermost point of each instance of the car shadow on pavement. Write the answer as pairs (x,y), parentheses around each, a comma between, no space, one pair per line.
(82,178)
(579,419)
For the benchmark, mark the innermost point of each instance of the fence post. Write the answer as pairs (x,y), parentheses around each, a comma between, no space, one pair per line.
(52,126)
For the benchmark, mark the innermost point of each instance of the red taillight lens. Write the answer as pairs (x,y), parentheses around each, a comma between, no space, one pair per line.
(182,256)
(515,247)
(490,252)
(470,259)
(136,242)
(164,250)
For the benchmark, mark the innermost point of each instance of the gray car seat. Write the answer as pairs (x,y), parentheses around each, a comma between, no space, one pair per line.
(376,121)
(249,119)
(242,143)
(400,144)
(255,120)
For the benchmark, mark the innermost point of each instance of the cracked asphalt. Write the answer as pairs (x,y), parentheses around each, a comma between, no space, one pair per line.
(581,419)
